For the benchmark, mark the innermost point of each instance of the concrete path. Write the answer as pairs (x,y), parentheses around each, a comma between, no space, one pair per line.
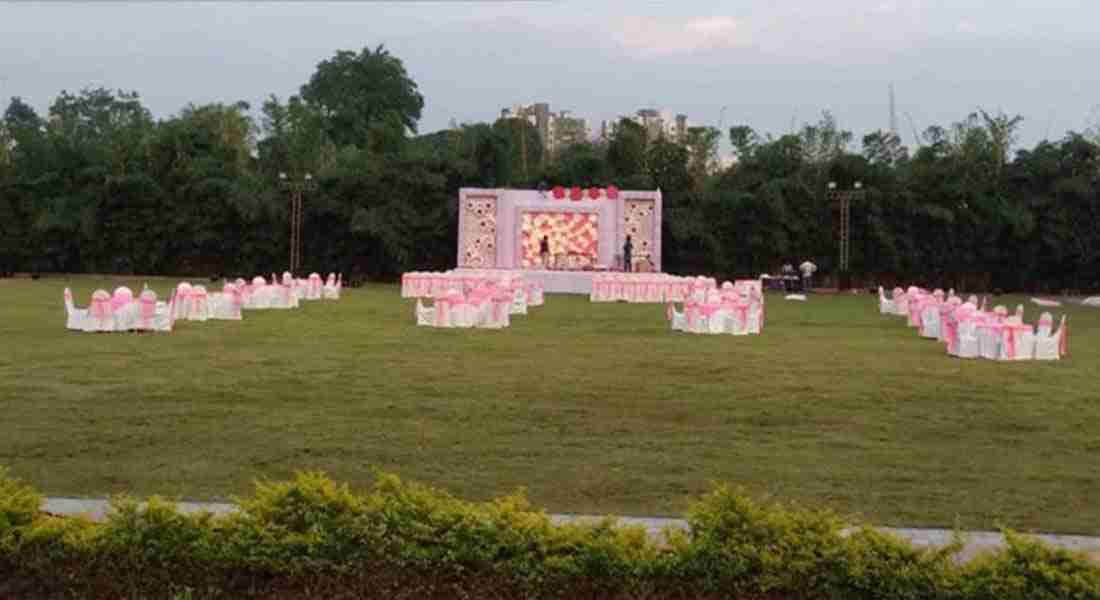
(975,542)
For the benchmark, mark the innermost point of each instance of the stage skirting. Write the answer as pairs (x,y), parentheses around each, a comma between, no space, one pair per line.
(561,282)
(553,282)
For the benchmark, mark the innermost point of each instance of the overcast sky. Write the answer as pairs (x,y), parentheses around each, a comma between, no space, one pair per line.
(768,62)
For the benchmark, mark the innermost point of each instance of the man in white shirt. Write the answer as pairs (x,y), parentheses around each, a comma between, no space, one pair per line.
(808,268)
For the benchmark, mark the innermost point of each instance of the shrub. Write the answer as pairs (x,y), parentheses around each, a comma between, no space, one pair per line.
(313,538)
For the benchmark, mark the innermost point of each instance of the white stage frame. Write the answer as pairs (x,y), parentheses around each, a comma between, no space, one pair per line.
(505,230)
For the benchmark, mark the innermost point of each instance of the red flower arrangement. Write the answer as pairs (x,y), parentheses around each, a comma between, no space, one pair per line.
(612,192)
(575,194)
(559,192)
(594,193)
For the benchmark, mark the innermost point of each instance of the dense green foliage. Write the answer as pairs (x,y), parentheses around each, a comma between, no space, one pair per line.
(99,185)
(311,537)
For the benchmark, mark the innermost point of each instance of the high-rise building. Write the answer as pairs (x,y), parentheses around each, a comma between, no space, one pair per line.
(657,124)
(556,130)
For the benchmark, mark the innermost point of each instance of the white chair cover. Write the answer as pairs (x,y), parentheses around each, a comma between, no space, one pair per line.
(968,346)
(147,311)
(930,321)
(313,291)
(199,309)
(425,315)
(101,316)
(75,318)
(331,290)
(181,308)
(226,305)
(1051,346)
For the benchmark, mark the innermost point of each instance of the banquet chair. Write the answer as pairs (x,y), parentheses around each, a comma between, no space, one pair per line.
(127,311)
(226,305)
(1051,346)
(147,310)
(75,318)
(314,291)
(181,309)
(755,320)
(121,297)
(101,316)
(950,328)
(989,340)
(535,294)
(901,303)
(885,305)
(1046,325)
(930,320)
(738,320)
(288,293)
(1019,316)
(463,313)
(676,318)
(1021,340)
(331,291)
(915,303)
(718,321)
(200,304)
(945,309)
(519,298)
(425,315)
(968,345)
(501,309)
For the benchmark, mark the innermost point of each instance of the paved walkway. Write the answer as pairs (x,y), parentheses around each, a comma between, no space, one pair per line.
(976,541)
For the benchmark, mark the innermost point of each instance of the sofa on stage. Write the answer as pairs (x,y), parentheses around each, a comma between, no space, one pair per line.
(585,230)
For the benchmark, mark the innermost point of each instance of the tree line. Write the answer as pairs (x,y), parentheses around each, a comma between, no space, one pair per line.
(100,185)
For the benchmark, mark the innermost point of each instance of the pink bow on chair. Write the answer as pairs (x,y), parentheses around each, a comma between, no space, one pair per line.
(148,311)
(743,314)
(101,310)
(442,311)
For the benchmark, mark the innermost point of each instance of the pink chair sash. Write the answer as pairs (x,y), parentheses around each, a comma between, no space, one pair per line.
(709,310)
(1010,339)
(120,300)
(101,310)
(743,314)
(148,311)
(442,311)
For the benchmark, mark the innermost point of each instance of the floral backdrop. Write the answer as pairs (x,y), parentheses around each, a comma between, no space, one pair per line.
(479,232)
(575,233)
(638,224)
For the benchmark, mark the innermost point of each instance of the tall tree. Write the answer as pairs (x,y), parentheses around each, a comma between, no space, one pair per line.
(627,151)
(366,99)
(525,148)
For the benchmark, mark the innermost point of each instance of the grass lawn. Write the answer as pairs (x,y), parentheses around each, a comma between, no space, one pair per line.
(594,408)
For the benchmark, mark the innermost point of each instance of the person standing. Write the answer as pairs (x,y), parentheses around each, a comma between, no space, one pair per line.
(808,269)
(544,251)
(628,251)
(788,277)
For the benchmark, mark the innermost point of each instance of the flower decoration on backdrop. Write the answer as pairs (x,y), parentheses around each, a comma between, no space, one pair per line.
(577,193)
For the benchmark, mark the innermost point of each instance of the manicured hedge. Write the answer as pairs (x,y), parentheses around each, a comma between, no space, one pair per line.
(313,538)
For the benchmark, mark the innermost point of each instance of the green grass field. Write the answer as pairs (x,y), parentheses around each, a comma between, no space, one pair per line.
(592,408)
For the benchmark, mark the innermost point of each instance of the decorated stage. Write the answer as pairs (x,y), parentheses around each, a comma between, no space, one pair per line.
(585,231)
